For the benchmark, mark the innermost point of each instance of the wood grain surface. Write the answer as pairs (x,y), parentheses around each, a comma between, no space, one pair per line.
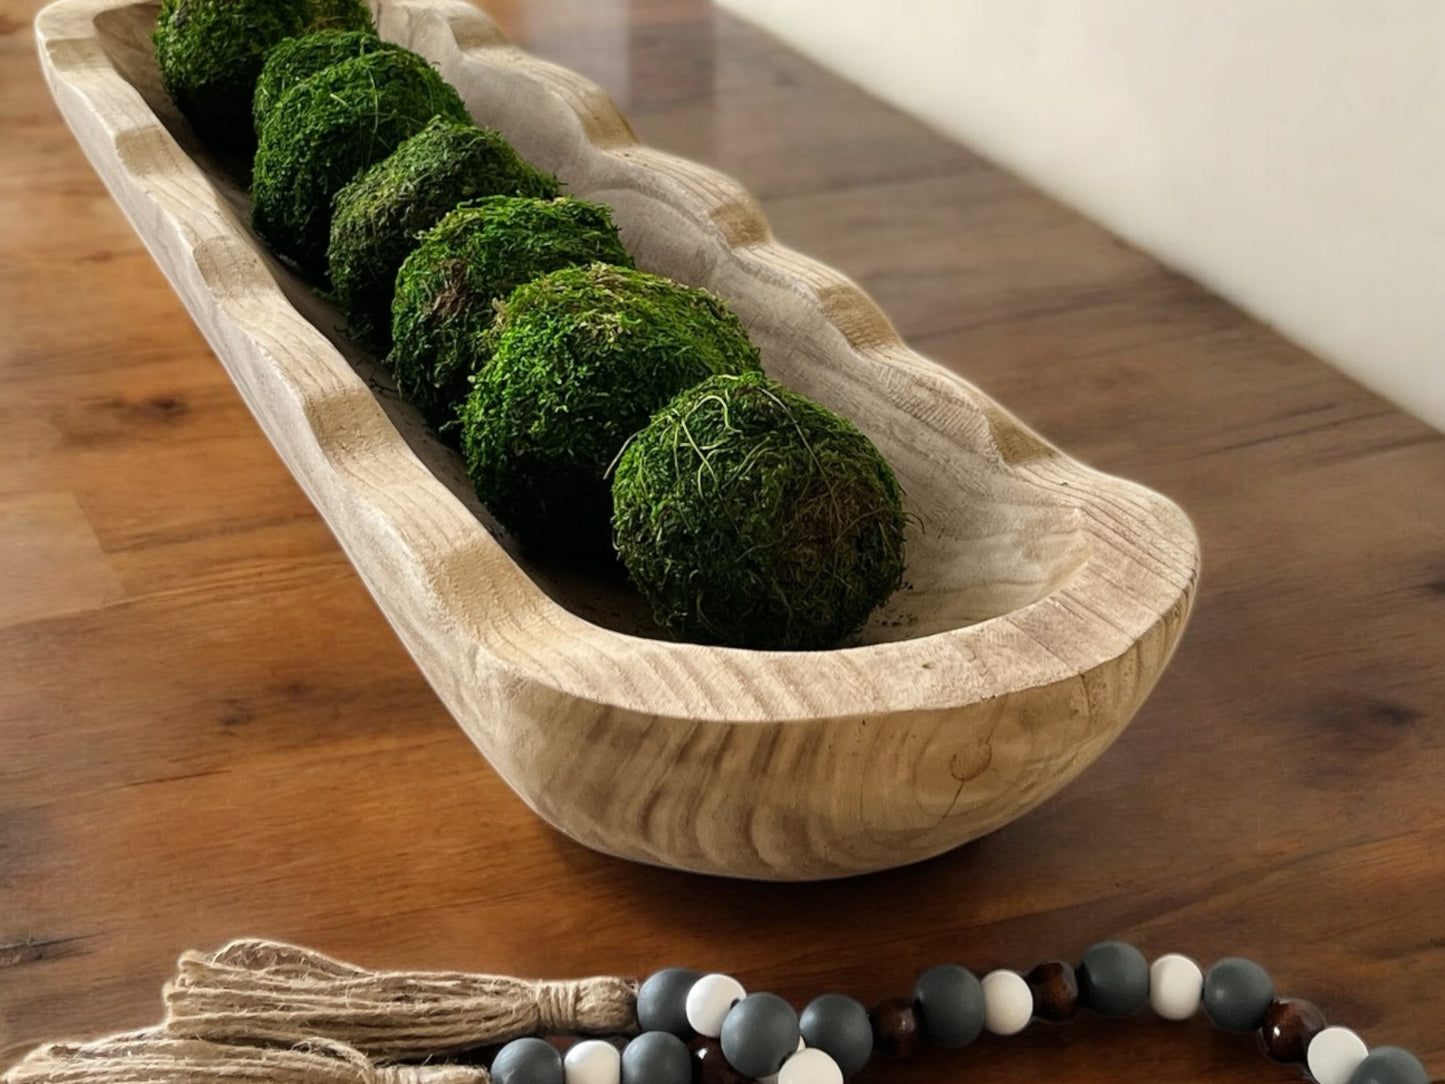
(208,730)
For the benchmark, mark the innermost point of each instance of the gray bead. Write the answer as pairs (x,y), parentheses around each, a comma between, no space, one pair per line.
(656,1057)
(527,1061)
(758,1034)
(1114,979)
(662,1001)
(839,1026)
(1237,993)
(948,1001)
(1390,1065)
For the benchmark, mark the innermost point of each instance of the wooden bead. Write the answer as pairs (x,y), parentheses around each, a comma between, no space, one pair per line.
(656,1057)
(948,1001)
(709,1000)
(1334,1054)
(1237,994)
(1056,991)
(772,1078)
(528,1061)
(839,1026)
(592,1061)
(1113,979)
(1390,1065)
(1008,1002)
(1176,987)
(895,1028)
(1289,1025)
(662,1001)
(759,1033)
(710,1067)
(811,1066)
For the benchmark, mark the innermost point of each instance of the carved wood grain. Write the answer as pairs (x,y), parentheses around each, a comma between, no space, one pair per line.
(1044,598)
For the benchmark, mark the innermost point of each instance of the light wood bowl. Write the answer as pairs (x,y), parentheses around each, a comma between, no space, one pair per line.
(1043,598)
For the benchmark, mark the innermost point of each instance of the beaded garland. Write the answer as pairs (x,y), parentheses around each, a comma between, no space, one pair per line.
(706,1029)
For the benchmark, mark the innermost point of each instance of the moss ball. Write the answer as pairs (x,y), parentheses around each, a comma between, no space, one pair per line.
(377,217)
(579,361)
(210,54)
(339,15)
(327,129)
(297,59)
(751,516)
(447,289)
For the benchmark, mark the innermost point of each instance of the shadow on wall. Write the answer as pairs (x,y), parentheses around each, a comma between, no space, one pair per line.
(1277,153)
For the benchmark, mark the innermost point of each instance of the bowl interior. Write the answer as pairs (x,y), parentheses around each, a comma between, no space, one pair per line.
(987,537)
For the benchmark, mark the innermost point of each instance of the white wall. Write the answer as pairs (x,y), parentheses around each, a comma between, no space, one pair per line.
(1290,154)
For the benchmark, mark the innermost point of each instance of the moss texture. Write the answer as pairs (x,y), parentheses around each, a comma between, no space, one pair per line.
(579,361)
(326,130)
(447,289)
(379,216)
(751,516)
(210,54)
(297,59)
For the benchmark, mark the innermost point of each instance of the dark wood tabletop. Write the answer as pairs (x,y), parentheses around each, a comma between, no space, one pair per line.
(207,730)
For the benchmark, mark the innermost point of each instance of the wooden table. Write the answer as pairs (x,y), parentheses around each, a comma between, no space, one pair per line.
(207,730)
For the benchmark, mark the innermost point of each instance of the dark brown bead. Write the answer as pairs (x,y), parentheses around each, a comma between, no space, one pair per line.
(1056,991)
(895,1028)
(709,1066)
(1289,1025)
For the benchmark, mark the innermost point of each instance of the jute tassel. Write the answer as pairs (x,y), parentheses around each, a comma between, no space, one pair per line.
(261,991)
(150,1057)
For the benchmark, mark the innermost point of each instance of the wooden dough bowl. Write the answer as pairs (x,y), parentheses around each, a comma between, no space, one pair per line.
(1043,598)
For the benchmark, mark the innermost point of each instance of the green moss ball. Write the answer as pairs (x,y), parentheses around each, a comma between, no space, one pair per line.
(339,15)
(474,257)
(580,360)
(210,54)
(297,59)
(327,129)
(751,516)
(377,217)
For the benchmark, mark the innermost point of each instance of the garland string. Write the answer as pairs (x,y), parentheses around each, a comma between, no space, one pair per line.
(262,1012)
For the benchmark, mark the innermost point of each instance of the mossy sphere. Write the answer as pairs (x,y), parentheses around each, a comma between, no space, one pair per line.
(752,517)
(579,361)
(327,129)
(297,59)
(338,15)
(377,217)
(210,54)
(447,289)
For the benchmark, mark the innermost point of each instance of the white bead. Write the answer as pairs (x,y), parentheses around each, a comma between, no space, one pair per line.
(772,1078)
(709,1001)
(592,1061)
(810,1066)
(1008,1003)
(1334,1055)
(1176,987)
